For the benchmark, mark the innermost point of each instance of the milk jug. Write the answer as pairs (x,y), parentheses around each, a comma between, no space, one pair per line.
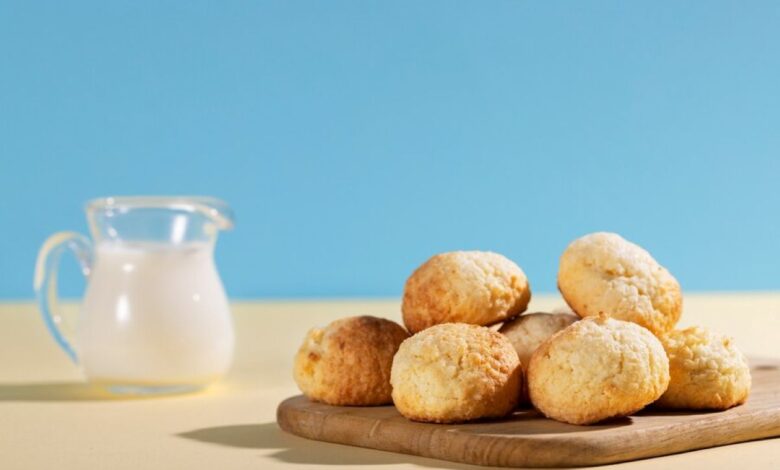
(155,317)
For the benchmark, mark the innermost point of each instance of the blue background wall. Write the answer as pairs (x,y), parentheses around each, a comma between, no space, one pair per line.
(355,139)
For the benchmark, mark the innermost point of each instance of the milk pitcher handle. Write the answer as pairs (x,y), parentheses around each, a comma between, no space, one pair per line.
(45,281)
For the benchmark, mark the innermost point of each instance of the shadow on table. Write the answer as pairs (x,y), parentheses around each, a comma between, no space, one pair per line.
(66,391)
(296,450)
(54,391)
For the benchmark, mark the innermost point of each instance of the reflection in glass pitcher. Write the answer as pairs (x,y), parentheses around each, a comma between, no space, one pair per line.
(155,317)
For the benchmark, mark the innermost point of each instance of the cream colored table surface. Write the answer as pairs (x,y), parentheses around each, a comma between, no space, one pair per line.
(48,419)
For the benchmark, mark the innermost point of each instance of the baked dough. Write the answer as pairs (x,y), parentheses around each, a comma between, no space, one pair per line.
(348,362)
(602,273)
(474,287)
(595,369)
(528,331)
(455,372)
(707,371)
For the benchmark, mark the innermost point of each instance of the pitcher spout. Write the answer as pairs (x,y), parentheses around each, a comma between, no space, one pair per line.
(215,209)
(159,219)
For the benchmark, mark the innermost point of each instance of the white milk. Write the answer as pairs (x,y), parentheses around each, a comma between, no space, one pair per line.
(155,314)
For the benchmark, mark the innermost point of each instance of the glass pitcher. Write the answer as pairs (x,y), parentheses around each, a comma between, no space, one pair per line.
(155,317)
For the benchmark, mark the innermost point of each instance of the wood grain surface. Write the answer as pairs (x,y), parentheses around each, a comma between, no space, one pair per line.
(527,439)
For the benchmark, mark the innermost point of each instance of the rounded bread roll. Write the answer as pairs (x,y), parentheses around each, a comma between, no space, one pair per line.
(604,274)
(474,287)
(455,372)
(707,371)
(597,368)
(348,362)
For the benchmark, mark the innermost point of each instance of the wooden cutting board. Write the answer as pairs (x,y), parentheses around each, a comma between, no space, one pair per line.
(527,439)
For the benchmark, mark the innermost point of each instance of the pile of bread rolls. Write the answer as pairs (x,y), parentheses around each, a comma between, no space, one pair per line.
(468,352)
